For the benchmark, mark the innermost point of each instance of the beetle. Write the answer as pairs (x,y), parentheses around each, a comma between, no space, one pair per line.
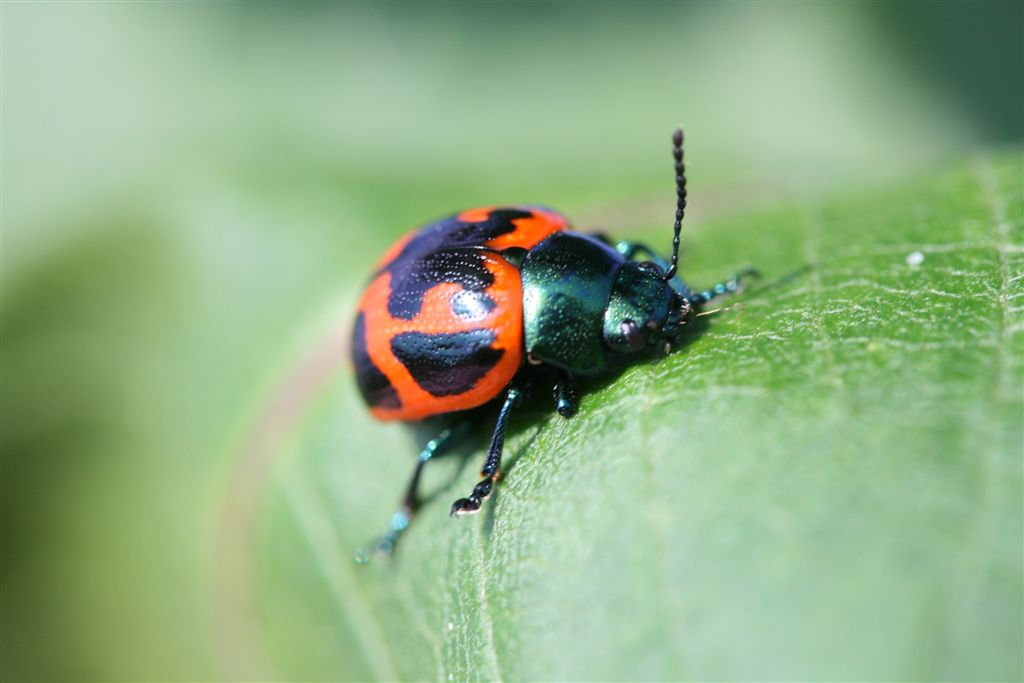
(479,306)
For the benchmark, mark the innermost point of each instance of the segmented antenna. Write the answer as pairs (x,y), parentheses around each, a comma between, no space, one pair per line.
(677,152)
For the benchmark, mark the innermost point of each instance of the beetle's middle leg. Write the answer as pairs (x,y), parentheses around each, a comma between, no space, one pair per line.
(633,249)
(492,465)
(628,249)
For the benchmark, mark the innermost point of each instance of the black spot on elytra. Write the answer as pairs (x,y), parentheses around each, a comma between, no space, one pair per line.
(373,384)
(412,278)
(447,364)
(445,251)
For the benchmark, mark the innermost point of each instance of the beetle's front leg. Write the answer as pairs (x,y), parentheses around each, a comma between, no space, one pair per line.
(492,465)
(731,286)
(566,401)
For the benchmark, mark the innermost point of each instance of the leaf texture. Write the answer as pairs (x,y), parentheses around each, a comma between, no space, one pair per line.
(823,483)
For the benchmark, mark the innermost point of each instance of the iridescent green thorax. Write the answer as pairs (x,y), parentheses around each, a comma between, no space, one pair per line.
(567,280)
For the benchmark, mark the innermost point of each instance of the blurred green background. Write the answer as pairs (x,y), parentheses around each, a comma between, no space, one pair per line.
(192,194)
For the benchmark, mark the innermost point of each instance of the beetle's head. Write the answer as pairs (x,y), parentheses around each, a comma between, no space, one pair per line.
(645,313)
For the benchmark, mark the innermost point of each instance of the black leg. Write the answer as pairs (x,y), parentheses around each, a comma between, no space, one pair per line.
(492,466)
(565,395)
(410,504)
(730,286)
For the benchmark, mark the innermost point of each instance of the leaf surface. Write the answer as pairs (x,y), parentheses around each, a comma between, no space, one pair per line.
(824,483)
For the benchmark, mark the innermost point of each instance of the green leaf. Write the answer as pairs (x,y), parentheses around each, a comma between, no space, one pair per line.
(825,483)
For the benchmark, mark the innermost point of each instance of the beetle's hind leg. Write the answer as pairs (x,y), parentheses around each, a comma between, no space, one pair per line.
(492,465)
(729,286)
(439,445)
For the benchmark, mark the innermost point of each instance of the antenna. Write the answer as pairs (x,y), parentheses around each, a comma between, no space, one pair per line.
(677,152)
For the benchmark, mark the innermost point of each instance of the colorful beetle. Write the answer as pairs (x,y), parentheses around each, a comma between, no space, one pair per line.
(483,304)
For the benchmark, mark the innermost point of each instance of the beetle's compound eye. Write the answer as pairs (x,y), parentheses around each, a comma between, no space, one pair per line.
(631,333)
